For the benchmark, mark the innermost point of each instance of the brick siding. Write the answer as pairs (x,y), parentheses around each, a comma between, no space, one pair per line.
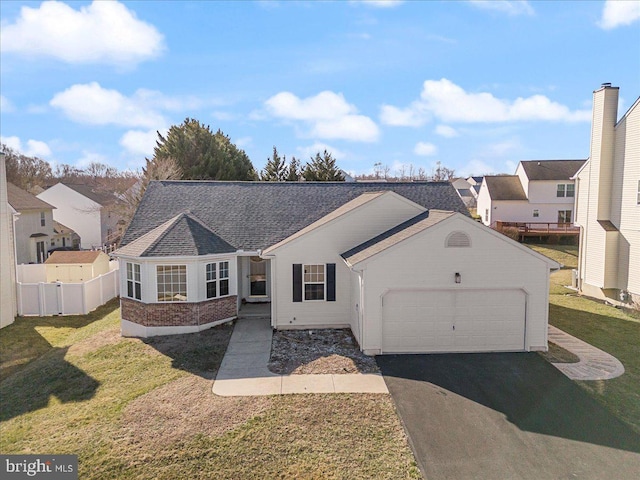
(178,314)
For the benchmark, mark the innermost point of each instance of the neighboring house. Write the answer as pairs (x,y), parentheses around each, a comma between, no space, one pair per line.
(401,264)
(92,213)
(608,203)
(34,226)
(64,237)
(541,191)
(465,191)
(475,183)
(76,266)
(8,299)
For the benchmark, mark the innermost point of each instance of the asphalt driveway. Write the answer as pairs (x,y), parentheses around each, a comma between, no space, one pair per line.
(505,416)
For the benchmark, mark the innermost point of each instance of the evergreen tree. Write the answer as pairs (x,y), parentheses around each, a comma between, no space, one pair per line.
(276,168)
(322,168)
(294,173)
(202,154)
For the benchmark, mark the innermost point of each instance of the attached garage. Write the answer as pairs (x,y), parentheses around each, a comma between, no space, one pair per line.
(442,282)
(450,320)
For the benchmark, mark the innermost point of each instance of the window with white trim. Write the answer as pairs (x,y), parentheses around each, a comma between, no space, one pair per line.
(564,216)
(313,281)
(536,213)
(134,286)
(172,283)
(571,192)
(43,222)
(217,279)
(561,190)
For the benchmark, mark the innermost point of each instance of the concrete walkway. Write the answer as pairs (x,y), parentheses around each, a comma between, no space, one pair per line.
(594,364)
(244,372)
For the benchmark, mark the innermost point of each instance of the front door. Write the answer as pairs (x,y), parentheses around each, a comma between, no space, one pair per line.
(257,277)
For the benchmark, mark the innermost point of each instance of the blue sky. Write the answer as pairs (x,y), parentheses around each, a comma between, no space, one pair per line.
(475,85)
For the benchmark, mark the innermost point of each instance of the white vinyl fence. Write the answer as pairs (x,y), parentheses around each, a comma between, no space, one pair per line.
(58,298)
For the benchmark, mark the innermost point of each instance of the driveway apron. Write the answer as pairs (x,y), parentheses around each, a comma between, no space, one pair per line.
(505,416)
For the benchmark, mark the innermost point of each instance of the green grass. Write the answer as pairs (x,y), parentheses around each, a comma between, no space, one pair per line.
(614,330)
(133,409)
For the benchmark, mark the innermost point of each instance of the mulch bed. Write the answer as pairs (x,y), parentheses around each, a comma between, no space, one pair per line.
(321,351)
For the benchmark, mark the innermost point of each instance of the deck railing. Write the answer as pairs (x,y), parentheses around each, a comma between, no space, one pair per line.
(540,228)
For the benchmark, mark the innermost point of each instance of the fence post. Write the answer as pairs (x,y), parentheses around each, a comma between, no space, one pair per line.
(42,302)
(84,298)
(60,295)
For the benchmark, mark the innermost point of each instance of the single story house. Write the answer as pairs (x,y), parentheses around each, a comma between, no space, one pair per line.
(76,266)
(400,264)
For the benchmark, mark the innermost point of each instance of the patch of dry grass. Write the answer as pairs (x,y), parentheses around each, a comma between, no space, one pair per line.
(133,409)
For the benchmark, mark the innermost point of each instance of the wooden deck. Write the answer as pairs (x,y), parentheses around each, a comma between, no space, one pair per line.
(539,229)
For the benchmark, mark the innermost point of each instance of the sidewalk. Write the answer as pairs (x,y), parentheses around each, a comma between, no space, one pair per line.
(594,364)
(244,372)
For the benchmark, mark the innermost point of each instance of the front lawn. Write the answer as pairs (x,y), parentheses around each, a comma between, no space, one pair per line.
(144,409)
(611,329)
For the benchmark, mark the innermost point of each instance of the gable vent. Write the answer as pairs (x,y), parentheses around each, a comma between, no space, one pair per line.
(458,239)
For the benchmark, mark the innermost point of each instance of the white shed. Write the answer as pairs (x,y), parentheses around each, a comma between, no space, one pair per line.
(76,266)
(441,282)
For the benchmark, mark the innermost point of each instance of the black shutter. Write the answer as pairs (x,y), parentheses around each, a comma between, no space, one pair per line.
(331,282)
(297,282)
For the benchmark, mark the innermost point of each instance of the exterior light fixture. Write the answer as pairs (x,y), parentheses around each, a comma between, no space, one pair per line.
(458,278)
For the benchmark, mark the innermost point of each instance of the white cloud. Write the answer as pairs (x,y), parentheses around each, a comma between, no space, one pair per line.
(448,102)
(34,148)
(103,32)
(617,13)
(6,106)
(510,7)
(475,167)
(379,3)
(411,116)
(425,149)
(141,142)
(327,114)
(310,151)
(92,104)
(244,142)
(446,131)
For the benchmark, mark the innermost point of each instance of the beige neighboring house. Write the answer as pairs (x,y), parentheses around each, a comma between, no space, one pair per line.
(34,227)
(608,203)
(8,306)
(76,266)
(64,237)
(540,192)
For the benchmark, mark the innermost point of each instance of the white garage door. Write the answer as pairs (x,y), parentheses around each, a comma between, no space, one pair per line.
(422,321)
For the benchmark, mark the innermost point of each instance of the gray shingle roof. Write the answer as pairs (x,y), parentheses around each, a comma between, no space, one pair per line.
(505,187)
(551,169)
(395,235)
(182,235)
(256,215)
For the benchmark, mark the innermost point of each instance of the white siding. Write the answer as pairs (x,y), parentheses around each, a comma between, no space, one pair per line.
(8,307)
(27,224)
(324,245)
(77,212)
(484,204)
(423,262)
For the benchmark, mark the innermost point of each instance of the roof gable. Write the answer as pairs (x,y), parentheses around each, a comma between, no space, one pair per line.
(256,215)
(551,169)
(505,187)
(183,235)
(22,200)
(395,235)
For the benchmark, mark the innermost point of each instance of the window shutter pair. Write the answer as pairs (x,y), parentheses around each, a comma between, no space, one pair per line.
(330,278)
